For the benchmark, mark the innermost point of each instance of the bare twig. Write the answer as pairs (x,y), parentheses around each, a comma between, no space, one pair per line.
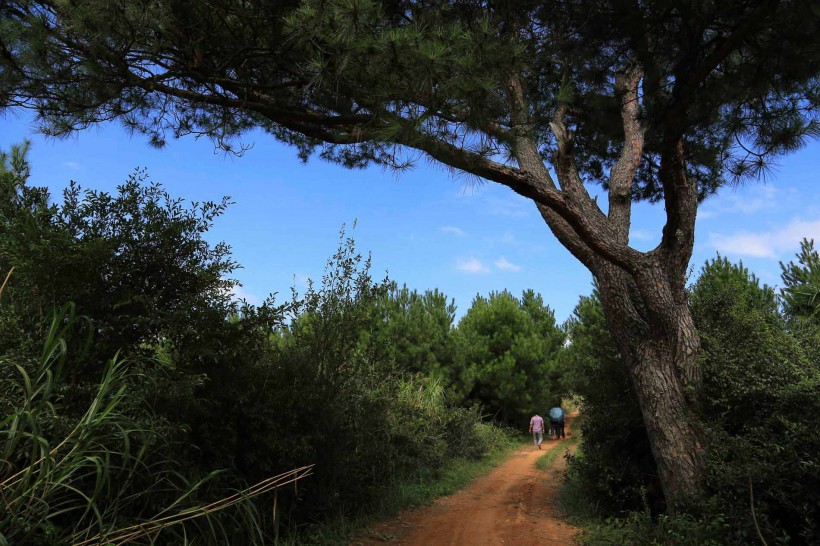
(8,275)
(754,517)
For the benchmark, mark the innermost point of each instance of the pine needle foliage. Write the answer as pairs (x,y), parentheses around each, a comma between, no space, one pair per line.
(801,280)
(354,79)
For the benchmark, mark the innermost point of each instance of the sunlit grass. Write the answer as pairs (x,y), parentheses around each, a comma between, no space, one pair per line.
(546,460)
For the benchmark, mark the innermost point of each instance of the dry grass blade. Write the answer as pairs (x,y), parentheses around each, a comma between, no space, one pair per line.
(152,527)
(5,282)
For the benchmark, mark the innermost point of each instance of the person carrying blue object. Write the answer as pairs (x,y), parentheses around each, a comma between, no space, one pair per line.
(557,422)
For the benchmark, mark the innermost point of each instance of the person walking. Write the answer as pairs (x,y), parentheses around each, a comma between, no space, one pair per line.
(537,429)
(557,421)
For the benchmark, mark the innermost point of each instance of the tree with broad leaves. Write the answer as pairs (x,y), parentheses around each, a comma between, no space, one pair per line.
(658,100)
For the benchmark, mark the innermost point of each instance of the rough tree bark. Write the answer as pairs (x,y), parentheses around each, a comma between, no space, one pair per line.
(659,353)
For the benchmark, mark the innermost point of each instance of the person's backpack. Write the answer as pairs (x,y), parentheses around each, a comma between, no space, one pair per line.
(556,414)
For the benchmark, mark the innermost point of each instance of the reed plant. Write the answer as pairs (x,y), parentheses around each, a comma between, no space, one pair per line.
(105,477)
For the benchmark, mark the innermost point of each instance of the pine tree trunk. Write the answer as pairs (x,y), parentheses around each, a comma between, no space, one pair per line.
(659,344)
(672,427)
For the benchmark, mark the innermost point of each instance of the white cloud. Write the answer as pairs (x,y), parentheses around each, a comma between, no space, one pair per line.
(746,201)
(453,230)
(743,244)
(73,165)
(472,265)
(770,244)
(762,198)
(505,265)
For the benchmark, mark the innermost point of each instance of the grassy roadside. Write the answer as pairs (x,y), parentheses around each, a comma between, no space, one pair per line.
(456,474)
(545,461)
(418,490)
(595,529)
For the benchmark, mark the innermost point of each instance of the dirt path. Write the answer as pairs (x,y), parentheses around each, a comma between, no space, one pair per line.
(515,504)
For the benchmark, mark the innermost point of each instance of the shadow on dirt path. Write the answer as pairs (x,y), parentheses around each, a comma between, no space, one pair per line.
(514,504)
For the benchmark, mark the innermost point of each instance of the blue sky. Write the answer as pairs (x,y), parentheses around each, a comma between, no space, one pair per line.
(424,227)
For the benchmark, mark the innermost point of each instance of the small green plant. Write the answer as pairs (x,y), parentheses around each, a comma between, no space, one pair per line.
(546,460)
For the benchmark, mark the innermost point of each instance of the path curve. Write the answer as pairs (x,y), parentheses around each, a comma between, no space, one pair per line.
(514,504)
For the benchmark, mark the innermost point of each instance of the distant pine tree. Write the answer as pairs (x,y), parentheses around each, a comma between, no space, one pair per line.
(801,291)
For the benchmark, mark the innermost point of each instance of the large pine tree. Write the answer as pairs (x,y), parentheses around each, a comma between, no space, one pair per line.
(659,100)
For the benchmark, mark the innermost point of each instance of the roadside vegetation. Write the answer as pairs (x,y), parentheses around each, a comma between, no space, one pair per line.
(142,402)
(759,405)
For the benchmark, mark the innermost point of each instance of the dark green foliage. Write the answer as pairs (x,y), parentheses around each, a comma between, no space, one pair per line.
(417,329)
(615,471)
(748,356)
(252,392)
(801,298)
(333,396)
(134,262)
(506,351)
(736,79)
(762,398)
(107,473)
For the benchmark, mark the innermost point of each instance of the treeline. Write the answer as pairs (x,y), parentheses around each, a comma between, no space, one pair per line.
(143,402)
(759,403)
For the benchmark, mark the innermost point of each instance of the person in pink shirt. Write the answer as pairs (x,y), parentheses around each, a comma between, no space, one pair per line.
(537,429)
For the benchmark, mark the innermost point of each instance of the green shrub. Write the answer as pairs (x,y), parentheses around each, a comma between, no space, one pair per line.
(326,392)
(106,476)
(640,528)
(759,402)
(761,397)
(251,391)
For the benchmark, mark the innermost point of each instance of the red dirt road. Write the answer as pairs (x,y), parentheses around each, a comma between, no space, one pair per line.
(515,504)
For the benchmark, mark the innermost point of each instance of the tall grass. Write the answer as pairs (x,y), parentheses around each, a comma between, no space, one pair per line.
(424,393)
(101,480)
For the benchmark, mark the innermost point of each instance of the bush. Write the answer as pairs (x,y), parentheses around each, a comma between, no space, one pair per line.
(760,400)
(761,394)
(250,391)
(326,391)
(107,476)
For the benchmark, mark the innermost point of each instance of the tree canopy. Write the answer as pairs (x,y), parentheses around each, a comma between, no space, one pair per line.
(354,79)
(506,352)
